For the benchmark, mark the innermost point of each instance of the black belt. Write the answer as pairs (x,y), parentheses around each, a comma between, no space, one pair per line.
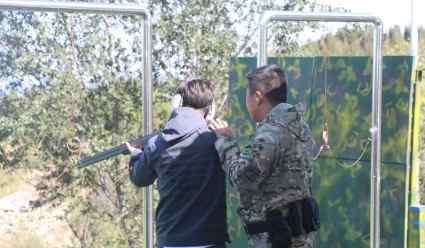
(302,218)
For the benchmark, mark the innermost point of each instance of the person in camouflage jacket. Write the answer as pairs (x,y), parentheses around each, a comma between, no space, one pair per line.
(276,167)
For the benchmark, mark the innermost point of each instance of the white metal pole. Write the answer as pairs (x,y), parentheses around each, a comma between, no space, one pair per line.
(375,182)
(147,127)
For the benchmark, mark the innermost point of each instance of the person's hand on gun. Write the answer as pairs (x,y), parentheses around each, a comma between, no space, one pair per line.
(134,154)
(220,127)
(133,151)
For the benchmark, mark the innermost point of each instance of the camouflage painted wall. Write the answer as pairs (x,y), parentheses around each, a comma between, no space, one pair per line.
(343,189)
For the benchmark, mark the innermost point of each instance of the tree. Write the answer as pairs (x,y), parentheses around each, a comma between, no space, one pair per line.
(72,87)
(357,40)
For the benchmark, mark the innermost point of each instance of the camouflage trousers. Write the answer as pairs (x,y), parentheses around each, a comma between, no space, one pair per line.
(261,241)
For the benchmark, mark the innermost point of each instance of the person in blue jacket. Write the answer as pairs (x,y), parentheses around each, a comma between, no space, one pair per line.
(191,184)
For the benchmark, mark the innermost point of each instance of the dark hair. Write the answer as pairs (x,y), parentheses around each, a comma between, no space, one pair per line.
(271,80)
(197,93)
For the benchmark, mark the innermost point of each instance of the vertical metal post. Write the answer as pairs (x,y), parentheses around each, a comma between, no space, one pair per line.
(375,182)
(376,93)
(262,43)
(147,125)
(114,9)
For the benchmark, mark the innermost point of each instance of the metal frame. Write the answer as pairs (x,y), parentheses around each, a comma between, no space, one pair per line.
(113,9)
(376,94)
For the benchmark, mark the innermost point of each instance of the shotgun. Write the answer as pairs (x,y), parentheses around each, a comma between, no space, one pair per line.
(139,142)
(114,151)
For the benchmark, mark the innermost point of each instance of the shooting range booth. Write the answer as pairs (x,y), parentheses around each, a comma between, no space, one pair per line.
(354,225)
(348,94)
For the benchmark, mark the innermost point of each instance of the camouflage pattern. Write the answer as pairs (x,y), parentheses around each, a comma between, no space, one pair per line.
(273,170)
(343,192)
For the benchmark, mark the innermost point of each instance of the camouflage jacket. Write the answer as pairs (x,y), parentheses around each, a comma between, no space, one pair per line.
(275,168)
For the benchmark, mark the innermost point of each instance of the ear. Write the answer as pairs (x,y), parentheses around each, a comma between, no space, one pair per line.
(259,97)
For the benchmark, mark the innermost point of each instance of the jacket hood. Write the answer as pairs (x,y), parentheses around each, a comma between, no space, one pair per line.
(292,117)
(183,121)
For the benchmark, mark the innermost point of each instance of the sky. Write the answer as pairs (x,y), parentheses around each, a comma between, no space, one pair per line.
(392,12)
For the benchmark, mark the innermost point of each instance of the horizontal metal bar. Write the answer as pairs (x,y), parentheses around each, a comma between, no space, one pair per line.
(80,7)
(269,16)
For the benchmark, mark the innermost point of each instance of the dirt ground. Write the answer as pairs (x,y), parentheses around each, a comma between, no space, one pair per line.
(22,224)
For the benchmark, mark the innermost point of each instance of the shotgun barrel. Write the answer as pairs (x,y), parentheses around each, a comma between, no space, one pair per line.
(114,151)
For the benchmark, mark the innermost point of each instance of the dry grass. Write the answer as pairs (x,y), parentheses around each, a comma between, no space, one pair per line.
(11,181)
(22,238)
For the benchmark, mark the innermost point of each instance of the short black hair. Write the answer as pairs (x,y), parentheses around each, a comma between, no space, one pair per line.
(197,93)
(271,80)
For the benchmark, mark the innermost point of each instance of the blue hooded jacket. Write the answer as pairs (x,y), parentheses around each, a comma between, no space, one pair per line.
(191,183)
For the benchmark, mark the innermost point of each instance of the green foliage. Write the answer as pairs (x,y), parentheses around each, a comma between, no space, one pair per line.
(81,100)
(71,87)
(357,40)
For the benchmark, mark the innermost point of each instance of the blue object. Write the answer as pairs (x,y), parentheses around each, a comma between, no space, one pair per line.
(191,184)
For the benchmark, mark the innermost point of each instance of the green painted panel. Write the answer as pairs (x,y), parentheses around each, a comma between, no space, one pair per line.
(343,190)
